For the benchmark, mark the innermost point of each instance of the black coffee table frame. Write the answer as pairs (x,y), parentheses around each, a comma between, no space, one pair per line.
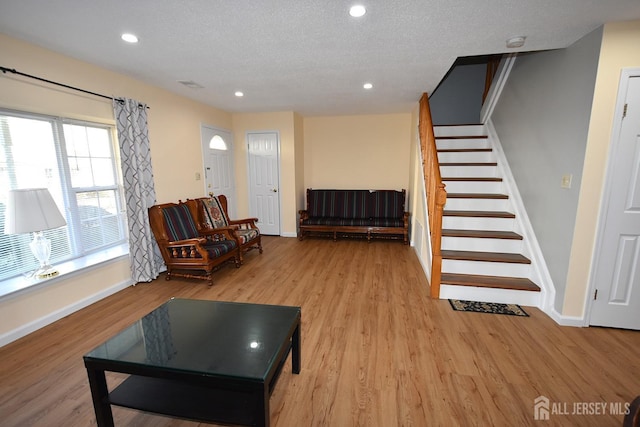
(190,395)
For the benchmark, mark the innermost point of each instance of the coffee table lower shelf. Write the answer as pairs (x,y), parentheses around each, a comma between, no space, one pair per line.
(186,401)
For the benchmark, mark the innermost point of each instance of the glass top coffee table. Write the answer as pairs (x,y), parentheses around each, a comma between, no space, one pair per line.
(199,360)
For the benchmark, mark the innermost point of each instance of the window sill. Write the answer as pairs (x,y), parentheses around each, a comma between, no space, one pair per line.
(67,269)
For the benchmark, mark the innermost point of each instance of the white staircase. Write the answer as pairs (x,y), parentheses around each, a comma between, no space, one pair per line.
(485,254)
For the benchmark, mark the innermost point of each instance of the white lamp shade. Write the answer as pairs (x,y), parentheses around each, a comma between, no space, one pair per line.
(30,210)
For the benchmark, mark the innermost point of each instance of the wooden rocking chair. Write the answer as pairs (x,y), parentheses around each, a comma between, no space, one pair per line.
(186,250)
(211,212)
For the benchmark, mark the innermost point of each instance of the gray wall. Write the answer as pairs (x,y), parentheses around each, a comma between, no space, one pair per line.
(458,99)
(542,119)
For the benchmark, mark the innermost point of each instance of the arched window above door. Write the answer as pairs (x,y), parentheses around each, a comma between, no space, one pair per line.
(217,143)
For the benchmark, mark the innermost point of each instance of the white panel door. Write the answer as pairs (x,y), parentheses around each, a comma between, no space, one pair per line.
(617,267)
(264,173)
(217,149)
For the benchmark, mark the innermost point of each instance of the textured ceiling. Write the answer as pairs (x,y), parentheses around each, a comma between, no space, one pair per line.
(307,56)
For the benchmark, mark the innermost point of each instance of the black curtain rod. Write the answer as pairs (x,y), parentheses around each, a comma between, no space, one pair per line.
(14,71)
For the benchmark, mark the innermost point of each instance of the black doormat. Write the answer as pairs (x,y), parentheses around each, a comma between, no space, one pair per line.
(488,307)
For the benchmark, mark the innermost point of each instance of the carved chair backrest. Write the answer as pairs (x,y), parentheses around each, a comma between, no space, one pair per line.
(210,212)
(358,204)
(387,203)
(179,223)
(171,222)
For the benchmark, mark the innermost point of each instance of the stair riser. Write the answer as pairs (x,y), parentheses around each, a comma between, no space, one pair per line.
(503,269)
(474,187)
(459,130)
(470,244)
(470,156)
(473,223)
(481,245)
(468,171)
(478,204)
(504,296)
(442,144)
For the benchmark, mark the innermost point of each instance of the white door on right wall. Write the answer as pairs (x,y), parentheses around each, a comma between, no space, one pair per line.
(617,266)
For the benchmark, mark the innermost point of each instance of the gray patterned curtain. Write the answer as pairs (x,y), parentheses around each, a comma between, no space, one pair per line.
(139,192)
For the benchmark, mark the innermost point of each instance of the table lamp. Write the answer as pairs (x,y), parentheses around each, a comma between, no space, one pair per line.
(33,210)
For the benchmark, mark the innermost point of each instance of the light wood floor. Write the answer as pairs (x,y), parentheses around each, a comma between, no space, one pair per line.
(376,351)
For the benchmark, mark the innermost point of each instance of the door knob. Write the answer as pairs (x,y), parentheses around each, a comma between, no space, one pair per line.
(275,190)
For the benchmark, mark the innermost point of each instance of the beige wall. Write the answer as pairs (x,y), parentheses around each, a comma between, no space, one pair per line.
(25,311)
(357,152)
(174,128)
(298,130)
(419,223)
(619,50)
(285,124)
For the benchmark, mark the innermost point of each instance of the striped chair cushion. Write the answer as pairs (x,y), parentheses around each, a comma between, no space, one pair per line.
(179,223)
(339,204)
(339,221)
(247,234)
(387,204)
(214,215)
(387,222)
(220,248)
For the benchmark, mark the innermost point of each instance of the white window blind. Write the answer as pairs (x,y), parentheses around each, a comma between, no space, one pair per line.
(77,162)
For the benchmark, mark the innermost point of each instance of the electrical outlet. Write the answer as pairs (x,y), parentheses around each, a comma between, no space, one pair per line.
(197,176)
(566,181)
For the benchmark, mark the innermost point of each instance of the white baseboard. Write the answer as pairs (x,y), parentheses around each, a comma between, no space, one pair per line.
(426,268)
(563,320)
(288,234)
(26,329)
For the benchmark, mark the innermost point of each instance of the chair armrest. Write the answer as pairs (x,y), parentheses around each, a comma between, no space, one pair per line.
(251,222)
(186,242)
(303,214)
(212,233)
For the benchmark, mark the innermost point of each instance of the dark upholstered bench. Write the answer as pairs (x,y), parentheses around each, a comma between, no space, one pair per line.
(373,213)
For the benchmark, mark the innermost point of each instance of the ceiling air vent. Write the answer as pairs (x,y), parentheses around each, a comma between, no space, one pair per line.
(191,84)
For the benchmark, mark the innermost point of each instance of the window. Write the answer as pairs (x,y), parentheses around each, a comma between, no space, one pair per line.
(217,143)
(77,162)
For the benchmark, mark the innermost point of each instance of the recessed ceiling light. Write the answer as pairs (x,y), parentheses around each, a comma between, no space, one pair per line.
(517,41)
(239,94)
(357,11)
(367,85)
(129,38)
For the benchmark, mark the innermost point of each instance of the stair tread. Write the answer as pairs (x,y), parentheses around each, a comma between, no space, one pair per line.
(479,214)
(472,179)
(498,282)
(464,150)
(482,234)
(463,137)
(469,164)
(476,196)
(485,256)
